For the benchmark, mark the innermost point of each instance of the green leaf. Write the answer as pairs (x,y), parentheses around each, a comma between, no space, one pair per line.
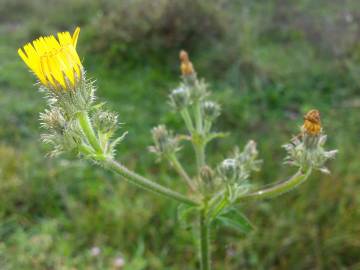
(233,218)
(216,135)
(98,106)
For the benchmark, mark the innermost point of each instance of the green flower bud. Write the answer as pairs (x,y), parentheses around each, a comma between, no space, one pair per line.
(179,98)
(105,122)
(53,120)
(198,91)
(164,142)
(228,169)
(211,110)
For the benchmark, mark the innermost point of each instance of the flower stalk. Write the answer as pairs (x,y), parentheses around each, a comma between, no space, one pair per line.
(147,184)
(88,130)
(277,189)
(204,241)
(181,171)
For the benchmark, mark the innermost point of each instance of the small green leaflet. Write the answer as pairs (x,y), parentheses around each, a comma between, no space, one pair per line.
(233,218)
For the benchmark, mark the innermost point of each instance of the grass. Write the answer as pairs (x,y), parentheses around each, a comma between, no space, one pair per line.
(52,212)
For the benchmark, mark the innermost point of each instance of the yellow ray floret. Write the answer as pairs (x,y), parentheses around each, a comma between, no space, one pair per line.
(54,61)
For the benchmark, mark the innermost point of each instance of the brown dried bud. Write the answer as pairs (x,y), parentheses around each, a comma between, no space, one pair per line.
(186,66)
(312,123)
(207,175)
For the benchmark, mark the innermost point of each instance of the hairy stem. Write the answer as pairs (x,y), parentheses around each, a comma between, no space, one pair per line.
(277,189)
(204,242)
(147,184)
(88,130)
(181,171)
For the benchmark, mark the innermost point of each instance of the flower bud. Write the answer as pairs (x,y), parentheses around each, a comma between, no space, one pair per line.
(105,121)
(186,66)
(179,98)
(250,149)
(247,159)
(207,176)
(164,142)
(228,169)
(161,137)
(312,123)
(307,149)
(211,110)
(71,137)
(311,129)
(53,120)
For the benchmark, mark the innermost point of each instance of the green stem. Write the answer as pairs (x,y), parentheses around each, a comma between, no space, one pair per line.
(187,119)
(181,171)
(86,150)
(88,130)
(277,189)
(200,155)
(198,140)
(198,117)
(147,184)
(207,126)
(204,242)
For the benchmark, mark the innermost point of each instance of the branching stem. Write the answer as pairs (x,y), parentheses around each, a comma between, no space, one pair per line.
(147,184)
(277,189)
(130,176)
(181,171)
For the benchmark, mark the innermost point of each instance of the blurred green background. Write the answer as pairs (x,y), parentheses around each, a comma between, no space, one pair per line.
(267,62)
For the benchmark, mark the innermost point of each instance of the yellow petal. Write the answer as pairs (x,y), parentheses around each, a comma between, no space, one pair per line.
(75,36)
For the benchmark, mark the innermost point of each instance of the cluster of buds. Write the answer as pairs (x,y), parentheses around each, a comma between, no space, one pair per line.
(307,150)
(73,122)
(197,89)
(234,172)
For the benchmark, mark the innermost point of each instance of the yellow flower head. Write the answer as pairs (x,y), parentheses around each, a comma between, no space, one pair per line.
(312,123)
(54,61)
